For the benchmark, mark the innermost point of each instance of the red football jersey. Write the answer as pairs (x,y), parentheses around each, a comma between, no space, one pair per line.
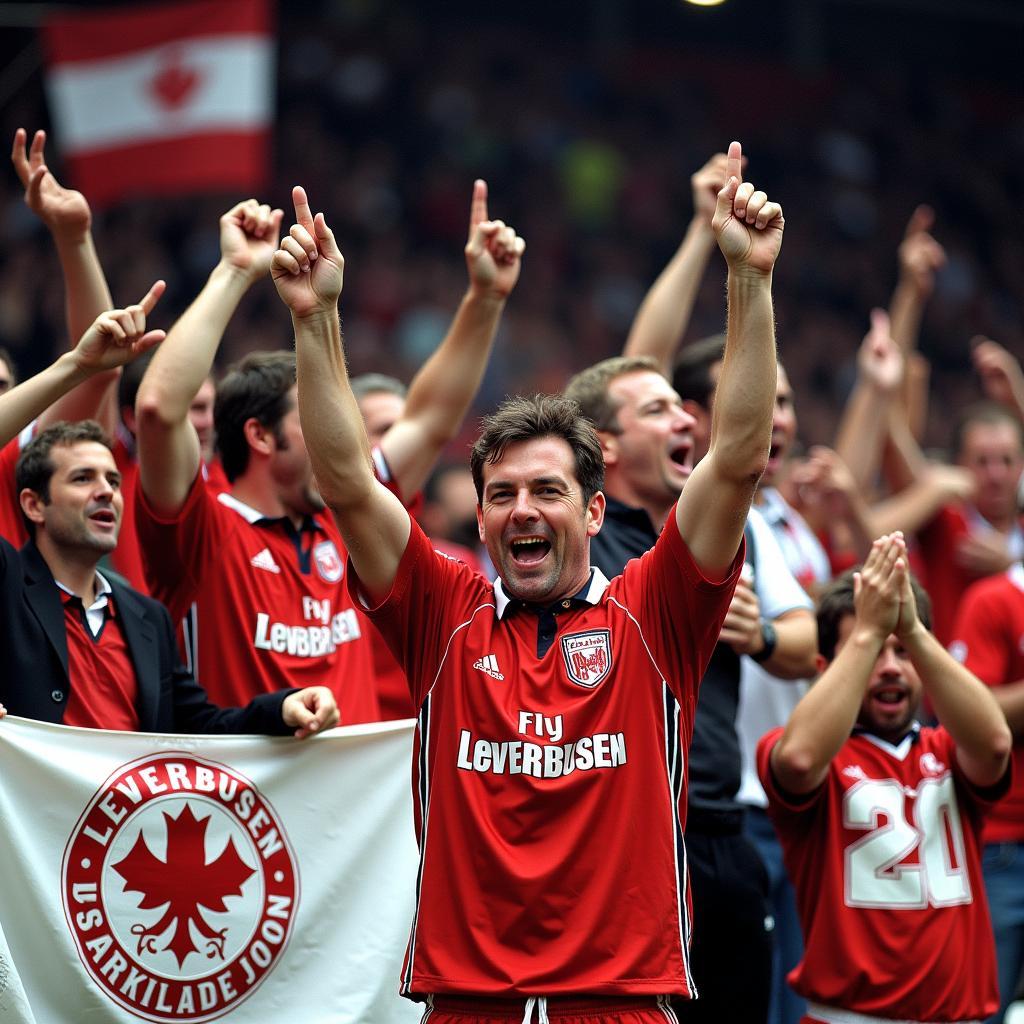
(271,610)
(886,860)
(12,523)
(945,579)
(394,701)
(989,639)
(126,557)
(550,773)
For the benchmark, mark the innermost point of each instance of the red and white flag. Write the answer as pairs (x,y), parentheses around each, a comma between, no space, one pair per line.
(163,100)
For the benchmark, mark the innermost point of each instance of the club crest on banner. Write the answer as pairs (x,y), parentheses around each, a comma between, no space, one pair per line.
(587,656)
(180,887)
(328,561)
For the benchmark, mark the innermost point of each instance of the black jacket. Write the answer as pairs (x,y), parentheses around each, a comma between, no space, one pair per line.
(34,679)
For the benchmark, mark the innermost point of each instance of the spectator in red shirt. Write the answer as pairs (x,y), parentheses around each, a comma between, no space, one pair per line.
(880,819)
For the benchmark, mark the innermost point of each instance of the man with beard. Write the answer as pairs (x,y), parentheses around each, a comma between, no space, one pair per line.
(881,818)
(555,706)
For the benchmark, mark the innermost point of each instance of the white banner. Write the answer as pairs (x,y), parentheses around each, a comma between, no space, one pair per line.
(188,878)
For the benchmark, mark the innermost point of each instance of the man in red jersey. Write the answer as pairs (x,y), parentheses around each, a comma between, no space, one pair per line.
(257,571)
(970,540)
(880,819)
(989,639)
(555,707)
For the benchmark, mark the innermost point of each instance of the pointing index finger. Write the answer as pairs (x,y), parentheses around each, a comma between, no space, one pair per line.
(303,214)
(149,300)
(478,207)
(734,162)
(19,157)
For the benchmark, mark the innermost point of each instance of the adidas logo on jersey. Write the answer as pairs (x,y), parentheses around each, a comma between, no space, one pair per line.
(264,560)
(489,664)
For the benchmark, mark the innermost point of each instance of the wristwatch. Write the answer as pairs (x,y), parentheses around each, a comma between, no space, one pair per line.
(769,638)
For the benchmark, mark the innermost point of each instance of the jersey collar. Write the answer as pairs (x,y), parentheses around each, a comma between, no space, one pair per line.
(897,750)
(591,594)
(256,518)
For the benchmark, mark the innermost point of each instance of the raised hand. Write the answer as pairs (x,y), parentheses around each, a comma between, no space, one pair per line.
(119,336)
(983,553)
(1000,373)
(747,226)
(249,236)
(493,251)
(64,211)
(825,482)
(707,183)
(920,256)
(308,269)
(878,587)
(908,620)
(880,361)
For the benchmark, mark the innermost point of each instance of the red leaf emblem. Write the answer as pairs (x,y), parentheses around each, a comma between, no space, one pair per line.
(175,83)
(183,884)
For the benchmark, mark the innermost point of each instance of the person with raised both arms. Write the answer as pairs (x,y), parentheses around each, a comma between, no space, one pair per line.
(555,707)
(880,818)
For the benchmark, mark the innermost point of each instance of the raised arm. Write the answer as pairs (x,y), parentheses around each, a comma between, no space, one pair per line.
(169,450)
(113,339)
(308,271)
(831,500)
(821,723)
(68,218)
(664,314)
(1001,375)
(864,425)
(715,501)
(444,388)
(961,701)
(920,257)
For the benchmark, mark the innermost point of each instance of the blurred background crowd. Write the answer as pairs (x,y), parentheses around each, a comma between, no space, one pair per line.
(587,121)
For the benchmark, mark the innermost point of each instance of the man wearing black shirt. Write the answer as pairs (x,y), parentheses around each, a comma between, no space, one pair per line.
(650,444)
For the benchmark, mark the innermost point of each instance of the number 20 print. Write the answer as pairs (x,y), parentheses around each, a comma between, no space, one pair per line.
(875,872)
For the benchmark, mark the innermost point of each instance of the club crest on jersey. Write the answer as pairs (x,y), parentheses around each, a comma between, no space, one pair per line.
(328,561)
(179,887)
(587,656)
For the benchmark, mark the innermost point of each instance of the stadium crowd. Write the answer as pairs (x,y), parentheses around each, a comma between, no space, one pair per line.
(820,628)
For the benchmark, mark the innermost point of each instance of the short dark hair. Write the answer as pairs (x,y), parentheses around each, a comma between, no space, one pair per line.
(35,468)
(376,384)
(836,602)
(130,380)
(257,387)
(987,412)
(691,375)
(523,419)
(589,388)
